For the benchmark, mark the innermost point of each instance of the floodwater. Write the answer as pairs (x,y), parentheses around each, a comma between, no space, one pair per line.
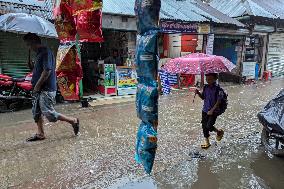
(102,157)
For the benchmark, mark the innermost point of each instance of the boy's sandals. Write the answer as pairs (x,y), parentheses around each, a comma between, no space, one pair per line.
(205,146)
(220,135)
(36,137)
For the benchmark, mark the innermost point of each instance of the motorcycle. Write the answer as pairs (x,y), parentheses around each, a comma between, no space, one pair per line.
(17,93)
(272,119)
(6,84)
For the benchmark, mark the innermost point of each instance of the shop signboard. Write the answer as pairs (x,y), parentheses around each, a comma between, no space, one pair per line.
(126,81)
(210,44)
(204,29)
(180,27)
(249,70)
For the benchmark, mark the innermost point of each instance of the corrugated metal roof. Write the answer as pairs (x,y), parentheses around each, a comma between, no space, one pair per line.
(181,10)
(39,3)
(238,8)
(36,7)
(217,14)
(188,10)
(124,7)
(276,7)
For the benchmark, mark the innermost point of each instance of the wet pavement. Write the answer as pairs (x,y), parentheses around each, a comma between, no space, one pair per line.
(102,156)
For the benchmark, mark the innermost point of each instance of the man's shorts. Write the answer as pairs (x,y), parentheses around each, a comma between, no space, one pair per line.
(43,104)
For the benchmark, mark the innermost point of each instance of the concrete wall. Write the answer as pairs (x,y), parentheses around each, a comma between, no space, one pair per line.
(119,22)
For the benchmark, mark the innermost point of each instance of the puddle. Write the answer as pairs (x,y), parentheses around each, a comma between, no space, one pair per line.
(271,170)
(206,179)
(145,183)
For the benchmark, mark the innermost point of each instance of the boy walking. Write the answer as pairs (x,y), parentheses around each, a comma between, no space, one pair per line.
(44,88)
(213,96)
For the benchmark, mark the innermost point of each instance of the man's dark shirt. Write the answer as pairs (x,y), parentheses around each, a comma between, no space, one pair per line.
(45,61)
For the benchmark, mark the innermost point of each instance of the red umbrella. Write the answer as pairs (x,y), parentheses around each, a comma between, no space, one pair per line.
(198,63)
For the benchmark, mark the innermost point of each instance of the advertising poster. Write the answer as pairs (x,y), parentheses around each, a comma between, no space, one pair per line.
(249,70)
(210,44)
(126,81)
(109,80)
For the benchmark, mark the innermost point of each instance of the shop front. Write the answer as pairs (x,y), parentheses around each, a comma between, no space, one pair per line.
(229,42)
(179,39)
(275,55)
(108,67)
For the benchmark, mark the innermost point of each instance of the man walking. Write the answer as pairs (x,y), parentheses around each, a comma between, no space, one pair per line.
(44,87)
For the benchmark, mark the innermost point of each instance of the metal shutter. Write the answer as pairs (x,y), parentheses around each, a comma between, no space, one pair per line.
(275,62)
(14,53)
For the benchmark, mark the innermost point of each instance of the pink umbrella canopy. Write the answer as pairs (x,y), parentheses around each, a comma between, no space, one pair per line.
(198,63)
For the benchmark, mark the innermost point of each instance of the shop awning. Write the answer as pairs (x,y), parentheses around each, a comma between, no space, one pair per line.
(36,3)
(42,8)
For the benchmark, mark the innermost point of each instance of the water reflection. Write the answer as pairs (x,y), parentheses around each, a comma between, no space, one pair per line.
(143,183)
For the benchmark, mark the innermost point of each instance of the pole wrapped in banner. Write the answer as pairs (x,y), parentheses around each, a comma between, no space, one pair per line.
(147,14)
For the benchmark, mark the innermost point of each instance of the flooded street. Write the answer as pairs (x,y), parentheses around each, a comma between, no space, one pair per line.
(103,155)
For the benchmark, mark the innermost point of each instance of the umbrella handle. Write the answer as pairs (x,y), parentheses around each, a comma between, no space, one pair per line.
(194,98)
(196,85)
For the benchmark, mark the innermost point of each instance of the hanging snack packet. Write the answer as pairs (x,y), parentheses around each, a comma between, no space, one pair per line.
(89,26)
(68,86)
(85,5)
(147,13)
(146,146)
(67,61)
(69,71)
(147,59)
(147,102)
(64,23)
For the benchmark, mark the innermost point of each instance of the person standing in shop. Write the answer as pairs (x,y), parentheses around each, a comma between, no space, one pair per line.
(114,59)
